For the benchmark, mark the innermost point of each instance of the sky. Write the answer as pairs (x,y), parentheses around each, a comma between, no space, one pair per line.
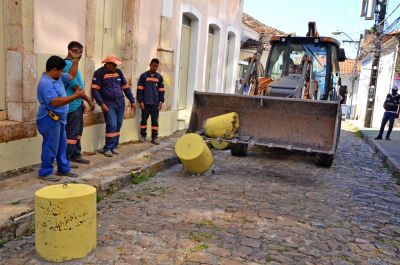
(330,15)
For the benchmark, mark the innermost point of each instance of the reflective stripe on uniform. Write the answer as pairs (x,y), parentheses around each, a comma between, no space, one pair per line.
(69,141)
(106,76)
(152,79)
(97,87)
(110,135)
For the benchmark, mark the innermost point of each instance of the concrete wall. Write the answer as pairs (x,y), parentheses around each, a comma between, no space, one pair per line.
(57,22)
(150,29)
(227,12)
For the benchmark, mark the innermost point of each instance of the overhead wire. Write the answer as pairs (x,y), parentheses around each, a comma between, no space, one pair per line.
(389,15)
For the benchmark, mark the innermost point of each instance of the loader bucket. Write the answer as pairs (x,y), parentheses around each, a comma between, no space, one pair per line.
(295,124)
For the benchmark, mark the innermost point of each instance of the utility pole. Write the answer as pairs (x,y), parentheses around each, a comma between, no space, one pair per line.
(379,19)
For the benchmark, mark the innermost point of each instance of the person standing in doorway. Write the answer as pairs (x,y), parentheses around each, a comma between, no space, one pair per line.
(391,106)
(74,127)
(52,116)
(109,86)
(150,95)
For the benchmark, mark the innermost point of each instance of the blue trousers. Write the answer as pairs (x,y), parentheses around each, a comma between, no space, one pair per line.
(113,118)
(387,117)
(152,111)
(54,146)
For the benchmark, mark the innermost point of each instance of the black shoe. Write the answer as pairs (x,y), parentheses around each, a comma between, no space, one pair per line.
(80,160)
(387,138)
(51,178)
(155,141)
(378,138)
(68,174)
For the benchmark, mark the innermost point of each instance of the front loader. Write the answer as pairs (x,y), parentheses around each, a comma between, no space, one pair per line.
(294,106)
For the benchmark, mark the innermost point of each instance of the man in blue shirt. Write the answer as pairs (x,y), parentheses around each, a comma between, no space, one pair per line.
(74,127)
(109,87)
(150,95)
(52,116)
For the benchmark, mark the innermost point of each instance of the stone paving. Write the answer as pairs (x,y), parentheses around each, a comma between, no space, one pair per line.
(271,207)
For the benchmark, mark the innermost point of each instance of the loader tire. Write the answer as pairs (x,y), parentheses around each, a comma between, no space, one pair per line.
(324,160)
(238,149)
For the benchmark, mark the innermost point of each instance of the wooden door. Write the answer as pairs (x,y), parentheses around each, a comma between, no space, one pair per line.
(108,29)
(228,58)
(210,46)
(184,66)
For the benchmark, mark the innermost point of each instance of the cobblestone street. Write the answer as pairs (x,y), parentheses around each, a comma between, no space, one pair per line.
(271,207)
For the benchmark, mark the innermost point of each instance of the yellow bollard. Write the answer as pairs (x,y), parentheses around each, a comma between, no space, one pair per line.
(194,153)
(224,126)
(65,221)
(220,145)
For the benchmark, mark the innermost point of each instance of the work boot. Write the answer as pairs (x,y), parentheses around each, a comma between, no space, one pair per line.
(68,174)
(142,139)
(115,151)
(80,160)
(51,178)
(108,153)
(155,141)
(378,138)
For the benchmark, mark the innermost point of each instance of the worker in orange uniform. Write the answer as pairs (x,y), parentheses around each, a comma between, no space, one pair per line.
(150,95)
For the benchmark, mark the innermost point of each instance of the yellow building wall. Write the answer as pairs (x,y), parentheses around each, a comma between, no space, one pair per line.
(26,152)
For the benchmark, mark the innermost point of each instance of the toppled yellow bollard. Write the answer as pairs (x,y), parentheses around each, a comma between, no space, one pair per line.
(223,126)
(194,153)
(220,144)
(65,221)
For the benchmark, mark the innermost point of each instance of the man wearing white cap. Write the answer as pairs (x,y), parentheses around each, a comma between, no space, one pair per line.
(391,106)
(109,86)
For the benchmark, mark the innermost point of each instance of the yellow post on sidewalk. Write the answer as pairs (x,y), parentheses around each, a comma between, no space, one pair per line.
(194,153)
(65,221)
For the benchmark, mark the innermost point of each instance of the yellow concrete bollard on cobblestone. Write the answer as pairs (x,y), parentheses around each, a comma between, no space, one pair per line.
(194,153)
(65,221)
(224,126)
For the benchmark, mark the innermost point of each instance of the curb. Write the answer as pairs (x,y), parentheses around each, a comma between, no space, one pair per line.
(391,162)
(24,225)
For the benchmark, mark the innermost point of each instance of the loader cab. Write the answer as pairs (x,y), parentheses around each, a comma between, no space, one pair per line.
(315,59)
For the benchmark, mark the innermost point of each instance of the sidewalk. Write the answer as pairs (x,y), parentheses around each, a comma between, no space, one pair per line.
(106,174)
(388,151)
